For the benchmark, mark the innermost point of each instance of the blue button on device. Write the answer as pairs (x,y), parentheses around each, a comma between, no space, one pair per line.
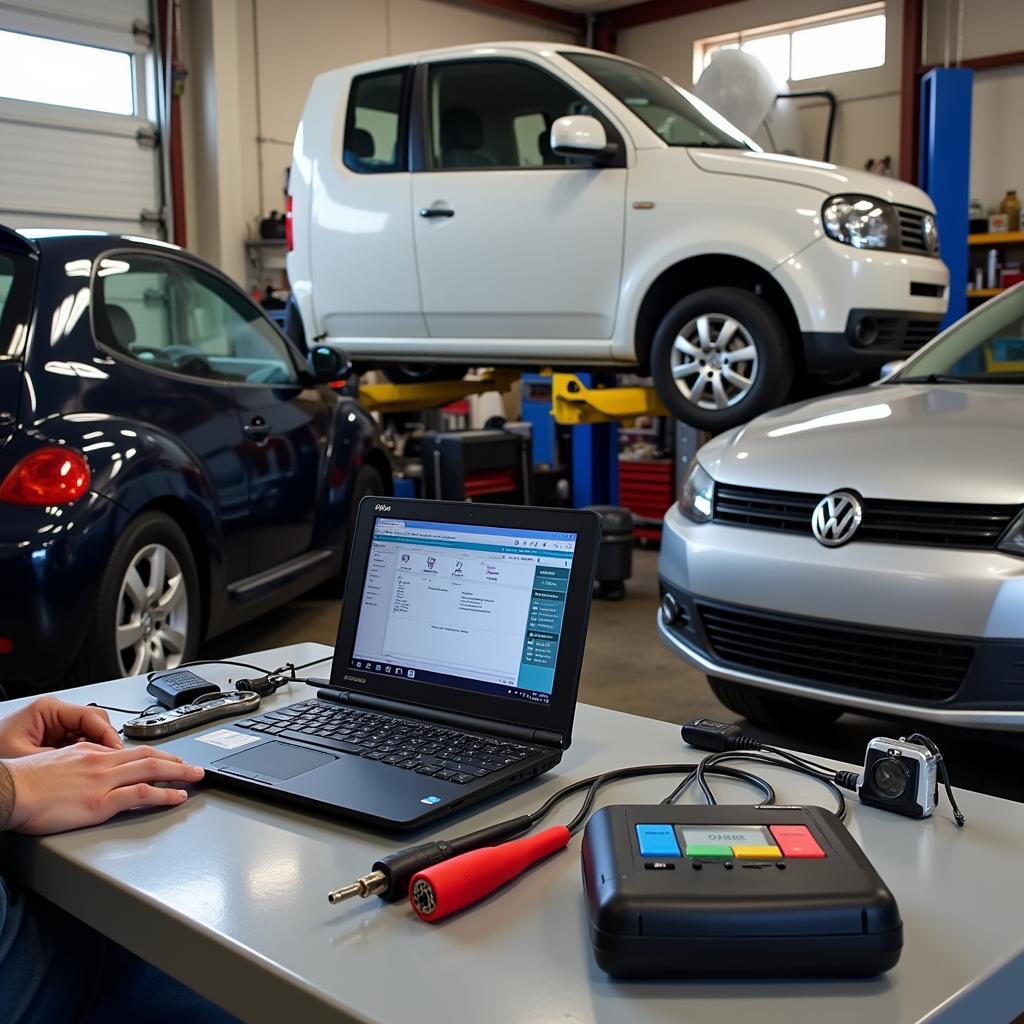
(657,841)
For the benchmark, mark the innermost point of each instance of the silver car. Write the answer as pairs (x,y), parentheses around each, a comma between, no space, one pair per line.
(865,551)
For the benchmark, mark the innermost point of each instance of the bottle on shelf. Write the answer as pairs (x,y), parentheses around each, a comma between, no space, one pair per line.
(992,269)
(1011,207)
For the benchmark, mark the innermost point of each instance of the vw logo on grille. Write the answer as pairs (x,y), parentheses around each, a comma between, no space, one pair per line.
(836,518)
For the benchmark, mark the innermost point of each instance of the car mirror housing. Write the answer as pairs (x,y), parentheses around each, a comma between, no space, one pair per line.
(327,364)
(581,136)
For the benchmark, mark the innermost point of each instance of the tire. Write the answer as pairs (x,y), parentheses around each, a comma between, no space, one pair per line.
(167,617)
(780,714)
(688,336)
(422,373)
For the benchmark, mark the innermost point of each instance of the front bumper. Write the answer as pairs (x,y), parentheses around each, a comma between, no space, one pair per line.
(957,611)
(833,286)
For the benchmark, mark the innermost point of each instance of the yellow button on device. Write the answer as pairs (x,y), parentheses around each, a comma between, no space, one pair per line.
(756,852)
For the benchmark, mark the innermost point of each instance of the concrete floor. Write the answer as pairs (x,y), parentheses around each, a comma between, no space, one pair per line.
(627,668)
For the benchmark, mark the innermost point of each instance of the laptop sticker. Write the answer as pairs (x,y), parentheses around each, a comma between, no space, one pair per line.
(227,739)
(431,800)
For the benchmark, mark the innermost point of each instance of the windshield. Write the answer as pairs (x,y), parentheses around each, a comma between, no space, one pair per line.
(986,347)
(677,116)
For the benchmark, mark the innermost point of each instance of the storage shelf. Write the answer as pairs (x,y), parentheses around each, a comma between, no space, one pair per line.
(999,238)
(983,293)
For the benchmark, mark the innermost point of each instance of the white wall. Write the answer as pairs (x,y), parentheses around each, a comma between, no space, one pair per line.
(250,66)
(997,143)
(867,121)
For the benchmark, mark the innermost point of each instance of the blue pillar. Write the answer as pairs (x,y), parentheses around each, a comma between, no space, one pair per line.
(946,170)
(595,461)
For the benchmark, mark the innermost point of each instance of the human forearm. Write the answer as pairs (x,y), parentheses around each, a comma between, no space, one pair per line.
(6,796)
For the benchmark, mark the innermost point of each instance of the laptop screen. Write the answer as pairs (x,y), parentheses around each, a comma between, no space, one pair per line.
(474,607)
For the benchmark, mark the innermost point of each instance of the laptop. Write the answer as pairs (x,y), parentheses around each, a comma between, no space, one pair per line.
(455,672)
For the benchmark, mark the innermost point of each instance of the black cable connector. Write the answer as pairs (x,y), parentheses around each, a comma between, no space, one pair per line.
(707,734)
(390,876)
(847,780)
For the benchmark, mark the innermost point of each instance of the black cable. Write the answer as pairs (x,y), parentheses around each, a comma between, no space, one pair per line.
(920,737)
(714,760)
(161,672)
(120,711)
(596,782)
(309,664)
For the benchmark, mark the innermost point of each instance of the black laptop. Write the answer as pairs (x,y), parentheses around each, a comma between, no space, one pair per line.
(455,672)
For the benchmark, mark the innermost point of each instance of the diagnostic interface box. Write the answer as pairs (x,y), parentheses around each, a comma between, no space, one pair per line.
(734,891)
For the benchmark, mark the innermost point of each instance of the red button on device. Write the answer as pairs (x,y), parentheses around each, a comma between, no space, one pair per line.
(796,841)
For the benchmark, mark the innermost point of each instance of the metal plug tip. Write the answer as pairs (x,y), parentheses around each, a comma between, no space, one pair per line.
(368,885)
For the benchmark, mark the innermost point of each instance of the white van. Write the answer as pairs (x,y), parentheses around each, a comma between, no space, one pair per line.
(548,205)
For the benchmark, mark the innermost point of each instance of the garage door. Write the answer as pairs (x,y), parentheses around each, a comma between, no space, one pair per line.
(78,140)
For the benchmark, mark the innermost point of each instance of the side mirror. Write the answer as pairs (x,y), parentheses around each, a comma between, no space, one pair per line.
(888,369)
(581,136)
(327,365)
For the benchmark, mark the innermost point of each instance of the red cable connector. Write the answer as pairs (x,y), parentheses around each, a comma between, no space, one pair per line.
(444,888)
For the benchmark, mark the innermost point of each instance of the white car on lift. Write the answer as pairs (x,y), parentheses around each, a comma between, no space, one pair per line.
(531,204)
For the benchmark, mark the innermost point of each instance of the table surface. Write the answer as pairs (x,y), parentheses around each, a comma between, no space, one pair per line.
(228,893)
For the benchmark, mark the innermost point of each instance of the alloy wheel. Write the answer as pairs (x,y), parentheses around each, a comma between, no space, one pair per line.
(152,612)
(714,361)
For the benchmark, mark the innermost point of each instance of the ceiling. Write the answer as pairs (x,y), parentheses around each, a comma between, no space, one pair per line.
(590,6)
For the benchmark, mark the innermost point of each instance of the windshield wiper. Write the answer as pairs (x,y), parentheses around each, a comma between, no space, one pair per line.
(931,378)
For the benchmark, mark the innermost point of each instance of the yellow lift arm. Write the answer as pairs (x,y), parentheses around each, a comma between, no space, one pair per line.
(572,401)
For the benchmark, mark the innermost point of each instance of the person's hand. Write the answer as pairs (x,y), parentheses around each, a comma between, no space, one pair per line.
(84,784)
(47,723)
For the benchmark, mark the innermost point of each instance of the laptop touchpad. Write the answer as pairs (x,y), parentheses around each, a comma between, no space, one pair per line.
(274,761)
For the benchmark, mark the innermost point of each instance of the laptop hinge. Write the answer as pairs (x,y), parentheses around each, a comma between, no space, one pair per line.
(522,733)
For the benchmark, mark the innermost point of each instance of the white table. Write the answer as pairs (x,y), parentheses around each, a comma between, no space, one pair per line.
(228,894)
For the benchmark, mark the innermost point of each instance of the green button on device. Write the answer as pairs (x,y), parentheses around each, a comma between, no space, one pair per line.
(709,852)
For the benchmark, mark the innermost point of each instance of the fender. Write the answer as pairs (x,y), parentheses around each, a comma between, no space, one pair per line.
(140,466)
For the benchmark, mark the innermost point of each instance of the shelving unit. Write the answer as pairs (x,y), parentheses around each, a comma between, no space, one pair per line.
(989,240)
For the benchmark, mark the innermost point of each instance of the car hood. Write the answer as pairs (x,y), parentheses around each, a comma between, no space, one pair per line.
(914,442)
(827,178)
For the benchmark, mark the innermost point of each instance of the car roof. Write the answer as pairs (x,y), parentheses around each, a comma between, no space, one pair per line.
(40,237)
(545,49)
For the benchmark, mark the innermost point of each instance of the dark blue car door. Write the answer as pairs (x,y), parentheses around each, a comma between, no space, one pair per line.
(285,425)
(141,318)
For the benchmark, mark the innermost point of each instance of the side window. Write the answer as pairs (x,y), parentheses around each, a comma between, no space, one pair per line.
(497,113)
(374,129)
(170,315)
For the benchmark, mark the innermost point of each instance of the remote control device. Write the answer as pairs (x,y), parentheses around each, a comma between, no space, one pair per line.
(173,689)
(734,891)
(174,720)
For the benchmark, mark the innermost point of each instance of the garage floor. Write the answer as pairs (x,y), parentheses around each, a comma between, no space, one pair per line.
(628,669)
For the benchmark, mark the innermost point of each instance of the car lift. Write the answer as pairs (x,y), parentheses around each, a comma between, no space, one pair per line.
(573,399)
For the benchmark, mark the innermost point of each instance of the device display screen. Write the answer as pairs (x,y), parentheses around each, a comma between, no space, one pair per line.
(727,835)
(477,607)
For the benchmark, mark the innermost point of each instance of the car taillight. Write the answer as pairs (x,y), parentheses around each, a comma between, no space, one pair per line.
(50,476)
(288,230)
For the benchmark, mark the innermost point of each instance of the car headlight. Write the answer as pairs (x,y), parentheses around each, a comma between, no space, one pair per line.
(861,221)
(1013,540)
(697,494)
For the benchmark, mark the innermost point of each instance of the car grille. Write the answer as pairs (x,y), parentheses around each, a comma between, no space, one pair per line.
(907,337)
(936,524)
(858,658)
(911,233)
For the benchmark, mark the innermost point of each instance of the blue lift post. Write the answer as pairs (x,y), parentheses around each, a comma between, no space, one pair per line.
(595,460)
(946,170)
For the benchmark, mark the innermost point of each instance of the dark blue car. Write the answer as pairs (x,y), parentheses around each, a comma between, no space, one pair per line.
(169,467)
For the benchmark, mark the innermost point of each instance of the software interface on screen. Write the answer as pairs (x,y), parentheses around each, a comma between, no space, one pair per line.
(478,607)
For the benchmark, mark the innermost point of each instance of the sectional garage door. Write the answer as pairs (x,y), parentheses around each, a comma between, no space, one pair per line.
(78,140)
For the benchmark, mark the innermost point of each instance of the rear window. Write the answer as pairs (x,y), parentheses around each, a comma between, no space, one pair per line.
(16,275)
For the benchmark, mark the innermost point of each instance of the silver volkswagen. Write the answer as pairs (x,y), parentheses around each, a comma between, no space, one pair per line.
(865,551)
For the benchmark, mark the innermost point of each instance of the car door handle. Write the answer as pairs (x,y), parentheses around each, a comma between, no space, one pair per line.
(258,430)
(436,211)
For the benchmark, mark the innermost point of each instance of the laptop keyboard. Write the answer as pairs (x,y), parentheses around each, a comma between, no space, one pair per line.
(416,746)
